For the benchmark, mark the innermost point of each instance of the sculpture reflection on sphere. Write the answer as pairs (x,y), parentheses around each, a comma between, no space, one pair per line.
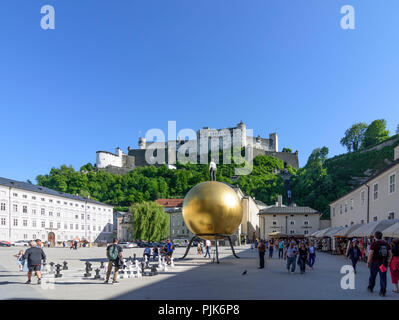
(212,208)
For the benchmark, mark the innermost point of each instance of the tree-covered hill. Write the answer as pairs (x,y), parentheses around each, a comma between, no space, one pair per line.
(318,183)
(151,183)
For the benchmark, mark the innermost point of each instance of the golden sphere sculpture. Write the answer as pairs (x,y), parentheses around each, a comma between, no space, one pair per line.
(212,208)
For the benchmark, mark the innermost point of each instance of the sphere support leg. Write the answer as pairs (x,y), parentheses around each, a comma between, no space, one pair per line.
(188,247)
(232,248)
(216,245)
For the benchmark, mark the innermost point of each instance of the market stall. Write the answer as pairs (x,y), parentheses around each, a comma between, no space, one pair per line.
(392,231)
(366,232)
(341,240)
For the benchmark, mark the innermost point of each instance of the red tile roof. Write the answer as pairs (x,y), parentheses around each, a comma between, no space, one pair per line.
(170,203)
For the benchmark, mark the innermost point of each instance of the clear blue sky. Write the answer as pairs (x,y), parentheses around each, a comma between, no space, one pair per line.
(114,68)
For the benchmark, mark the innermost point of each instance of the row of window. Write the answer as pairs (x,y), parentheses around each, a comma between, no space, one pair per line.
(293,231)
(42,211)
(24,196)
(391,216)
(305,223)
(375,191)
(51,224)
(58,237)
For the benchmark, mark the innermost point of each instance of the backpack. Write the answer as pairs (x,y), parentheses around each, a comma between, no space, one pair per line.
(383,251)
(113,252)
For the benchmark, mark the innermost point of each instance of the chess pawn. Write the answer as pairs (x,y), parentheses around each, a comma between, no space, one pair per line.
(145,259)
(159,261)
(172,265)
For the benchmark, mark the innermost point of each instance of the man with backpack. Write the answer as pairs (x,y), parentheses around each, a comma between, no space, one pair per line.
(114,255)
(379,257)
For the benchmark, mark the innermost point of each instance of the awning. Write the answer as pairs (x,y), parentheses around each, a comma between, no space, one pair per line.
(321,233)
(330,233)
(345,231)
(392,231)
(370,228)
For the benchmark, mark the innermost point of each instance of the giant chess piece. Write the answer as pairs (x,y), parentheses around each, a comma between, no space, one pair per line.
(88,266)
(58,271)
(97,275)
(51,267)
(102,265)
(172,264)
(88,269)
(44,268)
(154,270)
(65,267)
(159,261)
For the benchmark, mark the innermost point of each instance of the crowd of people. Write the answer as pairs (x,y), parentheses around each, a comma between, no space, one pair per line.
(380,257)
(292,250)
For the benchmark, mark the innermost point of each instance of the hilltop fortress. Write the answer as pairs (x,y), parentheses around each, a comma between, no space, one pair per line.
(120,162)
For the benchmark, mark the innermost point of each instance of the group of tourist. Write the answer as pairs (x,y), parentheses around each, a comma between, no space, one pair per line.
(31,260)
(293,251)
(380,257)
(155,252)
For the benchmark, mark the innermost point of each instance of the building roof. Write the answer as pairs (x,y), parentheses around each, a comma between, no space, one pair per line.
(170,203)
(39,189)
(288,210)
(387,168)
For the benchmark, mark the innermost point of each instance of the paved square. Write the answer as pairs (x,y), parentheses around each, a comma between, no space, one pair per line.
(193,278)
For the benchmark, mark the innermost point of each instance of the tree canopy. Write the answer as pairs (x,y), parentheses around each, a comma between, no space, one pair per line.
(354,136)
(150,222)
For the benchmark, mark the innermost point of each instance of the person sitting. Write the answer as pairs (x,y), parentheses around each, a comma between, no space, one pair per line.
(147,252)
(155,252)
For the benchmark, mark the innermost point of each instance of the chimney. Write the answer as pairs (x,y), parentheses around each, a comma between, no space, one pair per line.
(280,200)
(396,153)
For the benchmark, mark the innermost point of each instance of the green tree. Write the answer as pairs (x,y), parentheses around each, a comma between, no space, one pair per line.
(150,222)
(287,150)
(354,136)
(376,133)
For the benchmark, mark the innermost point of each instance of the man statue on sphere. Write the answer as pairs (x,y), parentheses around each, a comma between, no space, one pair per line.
(212,170)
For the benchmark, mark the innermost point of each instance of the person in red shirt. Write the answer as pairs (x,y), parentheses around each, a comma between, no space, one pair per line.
(378,260)
(261,251)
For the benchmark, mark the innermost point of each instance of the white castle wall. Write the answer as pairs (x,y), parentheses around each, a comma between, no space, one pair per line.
(105,159)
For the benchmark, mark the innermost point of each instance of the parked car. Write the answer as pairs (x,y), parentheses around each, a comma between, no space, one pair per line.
(126,245)
(5,243)
(21,243)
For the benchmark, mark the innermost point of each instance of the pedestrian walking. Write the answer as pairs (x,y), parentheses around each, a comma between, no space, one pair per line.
(34,256)
(208,248)
(303,256)
(208,245)
(114,255)
(20,259)
(290,255)
(378,260)
(394,265)
(261,251)
(281,249)
(199,249)
(354,254)
(170,247)
(271,247)
(312,255)
(75,245)
(39,243)
(155,252)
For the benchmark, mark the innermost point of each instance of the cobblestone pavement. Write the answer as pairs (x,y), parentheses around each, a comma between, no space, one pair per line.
(193,278)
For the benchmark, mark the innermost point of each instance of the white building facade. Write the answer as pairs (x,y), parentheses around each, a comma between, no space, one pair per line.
(288,221)
(376,199)
(29,212)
